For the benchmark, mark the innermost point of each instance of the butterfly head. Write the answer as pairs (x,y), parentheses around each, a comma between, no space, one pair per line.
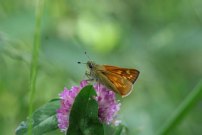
(90,64)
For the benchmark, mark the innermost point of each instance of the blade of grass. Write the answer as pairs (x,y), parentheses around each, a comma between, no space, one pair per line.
(35,55)
(182,110)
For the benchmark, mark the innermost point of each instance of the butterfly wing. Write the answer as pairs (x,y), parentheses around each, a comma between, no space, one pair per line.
(116,82)
(129,74)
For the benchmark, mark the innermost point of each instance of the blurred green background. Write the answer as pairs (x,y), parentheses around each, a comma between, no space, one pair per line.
(162,39)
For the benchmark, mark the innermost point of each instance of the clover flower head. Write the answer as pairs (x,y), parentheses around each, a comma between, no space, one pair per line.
(108,106)
(67,99)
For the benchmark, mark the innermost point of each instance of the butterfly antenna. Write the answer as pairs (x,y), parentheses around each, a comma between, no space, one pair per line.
(87,56)
(81,62)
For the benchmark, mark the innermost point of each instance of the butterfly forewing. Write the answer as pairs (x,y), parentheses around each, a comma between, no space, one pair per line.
(129,74)
(122,85)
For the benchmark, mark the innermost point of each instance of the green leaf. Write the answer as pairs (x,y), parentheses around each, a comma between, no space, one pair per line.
(115,130)
(121,130)
(43,119)
(84,114)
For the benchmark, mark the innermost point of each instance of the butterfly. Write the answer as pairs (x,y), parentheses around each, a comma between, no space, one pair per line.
(118,79)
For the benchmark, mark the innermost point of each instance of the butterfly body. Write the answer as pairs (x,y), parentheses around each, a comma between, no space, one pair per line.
(118,79)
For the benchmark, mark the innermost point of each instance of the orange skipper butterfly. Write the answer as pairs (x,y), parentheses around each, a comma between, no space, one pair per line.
(118,79)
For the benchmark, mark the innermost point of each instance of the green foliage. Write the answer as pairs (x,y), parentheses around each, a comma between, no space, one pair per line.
(185,107)
(115,130)
(84,114)
(42,121)
(35,57)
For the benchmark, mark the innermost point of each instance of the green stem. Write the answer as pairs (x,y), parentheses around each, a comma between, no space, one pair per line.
(182,110)
(34,62)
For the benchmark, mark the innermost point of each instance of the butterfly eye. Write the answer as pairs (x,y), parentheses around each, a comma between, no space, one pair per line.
(90,66)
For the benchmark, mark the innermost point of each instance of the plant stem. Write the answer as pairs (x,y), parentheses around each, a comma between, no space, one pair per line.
(34,62)
(182,110)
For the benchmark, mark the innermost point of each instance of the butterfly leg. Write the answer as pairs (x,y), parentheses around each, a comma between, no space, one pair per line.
(89,76)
